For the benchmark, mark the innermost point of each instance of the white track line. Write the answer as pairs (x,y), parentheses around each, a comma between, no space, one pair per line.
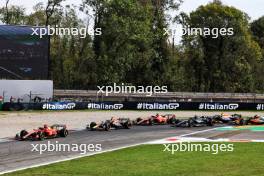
(95,153)
(164,140)
(70,158)
(5,140)
(197,132)
(185,138)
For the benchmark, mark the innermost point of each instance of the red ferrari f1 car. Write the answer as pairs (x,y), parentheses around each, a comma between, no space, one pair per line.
(156,120)
(42,133)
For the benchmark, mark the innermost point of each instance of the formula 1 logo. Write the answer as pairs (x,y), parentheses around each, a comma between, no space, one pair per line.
(59,106)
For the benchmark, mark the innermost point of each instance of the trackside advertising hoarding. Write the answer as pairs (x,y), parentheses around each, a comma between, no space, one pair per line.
(134,106)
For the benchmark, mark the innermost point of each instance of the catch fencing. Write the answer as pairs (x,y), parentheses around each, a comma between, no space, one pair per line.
(93,95)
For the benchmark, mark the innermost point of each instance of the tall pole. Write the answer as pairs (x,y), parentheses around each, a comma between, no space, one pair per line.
(4,95)
(30,96)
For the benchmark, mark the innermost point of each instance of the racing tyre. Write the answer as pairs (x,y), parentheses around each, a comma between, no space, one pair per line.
(135,122)
(92,125)
(176,121)
(107,126)
(189,123)
(246,122)
(242,122)
(173,120)
(151,122)
(210,122)
(126,125)
(41,136)
(64,133)
(130,124)
(22,134)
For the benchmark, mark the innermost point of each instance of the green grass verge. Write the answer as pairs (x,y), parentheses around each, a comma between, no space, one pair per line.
(246,159)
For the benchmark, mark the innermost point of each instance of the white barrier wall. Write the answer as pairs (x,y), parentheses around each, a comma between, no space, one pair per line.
(25,90)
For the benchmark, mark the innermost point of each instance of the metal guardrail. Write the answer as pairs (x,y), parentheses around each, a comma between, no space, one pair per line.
(93,95)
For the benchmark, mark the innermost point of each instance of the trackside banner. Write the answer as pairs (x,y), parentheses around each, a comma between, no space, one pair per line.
(133,106)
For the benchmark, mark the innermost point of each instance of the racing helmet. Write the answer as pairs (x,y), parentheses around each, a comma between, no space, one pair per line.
(113,118)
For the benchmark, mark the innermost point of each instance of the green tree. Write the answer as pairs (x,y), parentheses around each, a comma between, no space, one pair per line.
(225,63)
(12,15)
(51,8)
(37,18)
(132,47)
(73,65)
(72,59)
(123,50)
(257,28)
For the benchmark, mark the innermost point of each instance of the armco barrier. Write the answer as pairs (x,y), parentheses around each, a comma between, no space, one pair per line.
(133,106)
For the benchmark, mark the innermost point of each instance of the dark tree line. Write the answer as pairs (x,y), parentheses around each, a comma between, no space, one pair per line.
(133,48)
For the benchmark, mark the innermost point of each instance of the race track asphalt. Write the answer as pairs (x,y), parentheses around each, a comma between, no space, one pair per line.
(17,154)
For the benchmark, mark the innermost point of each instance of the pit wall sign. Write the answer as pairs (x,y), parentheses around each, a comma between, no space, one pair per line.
(148,106)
